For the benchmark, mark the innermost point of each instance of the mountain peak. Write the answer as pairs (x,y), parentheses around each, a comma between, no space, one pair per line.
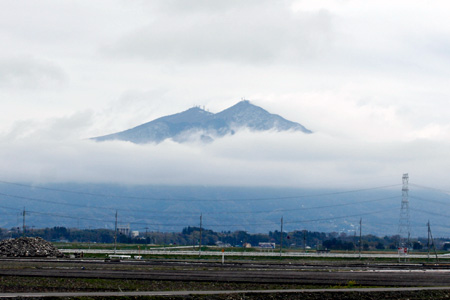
(196,108)
(193,114)
(243,101)
(243,104)
(205,125)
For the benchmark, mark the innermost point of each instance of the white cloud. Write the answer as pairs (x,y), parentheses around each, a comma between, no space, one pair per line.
(371,82)
(245,159)
(25,73)
(251,34)
(65,128)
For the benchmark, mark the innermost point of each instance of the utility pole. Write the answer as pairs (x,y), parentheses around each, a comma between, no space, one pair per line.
(360,237)
(23,226)
(165,240)
(115,235)
(281,236)
(428,242)
(430,236)
(304,240)
(200,239)
(89,238)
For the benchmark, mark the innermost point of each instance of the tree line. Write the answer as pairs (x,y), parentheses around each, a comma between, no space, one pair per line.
(191,236)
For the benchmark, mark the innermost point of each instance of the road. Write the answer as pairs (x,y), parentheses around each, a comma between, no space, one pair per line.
(251,253)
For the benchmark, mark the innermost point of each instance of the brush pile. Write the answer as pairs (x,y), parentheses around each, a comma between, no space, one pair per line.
(28,247)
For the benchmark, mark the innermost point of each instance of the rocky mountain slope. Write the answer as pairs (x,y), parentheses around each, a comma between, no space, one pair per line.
(196,123)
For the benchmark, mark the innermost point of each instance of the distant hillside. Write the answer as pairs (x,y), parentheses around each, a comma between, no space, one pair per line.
(200,124)
(258,209)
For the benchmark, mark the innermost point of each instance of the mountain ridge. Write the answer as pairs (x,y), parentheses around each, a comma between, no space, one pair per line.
(205,125)
(256,209)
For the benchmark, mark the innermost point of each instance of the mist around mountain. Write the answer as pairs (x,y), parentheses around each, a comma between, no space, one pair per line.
(201,125)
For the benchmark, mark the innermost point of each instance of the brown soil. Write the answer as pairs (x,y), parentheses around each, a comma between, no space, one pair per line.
(70,275)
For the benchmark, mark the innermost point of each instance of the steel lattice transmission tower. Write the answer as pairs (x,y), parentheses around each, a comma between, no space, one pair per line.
(404,226)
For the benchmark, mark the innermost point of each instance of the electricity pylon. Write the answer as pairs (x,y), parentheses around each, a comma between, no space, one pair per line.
(404,226)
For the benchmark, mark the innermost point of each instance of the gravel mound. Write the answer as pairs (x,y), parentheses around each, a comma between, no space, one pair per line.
(28,247)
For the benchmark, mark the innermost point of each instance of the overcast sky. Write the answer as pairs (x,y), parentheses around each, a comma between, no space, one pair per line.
(370,78)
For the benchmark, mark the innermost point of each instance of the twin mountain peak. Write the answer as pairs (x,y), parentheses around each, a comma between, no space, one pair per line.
(199,124)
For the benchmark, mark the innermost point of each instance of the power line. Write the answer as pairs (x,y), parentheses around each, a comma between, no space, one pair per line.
(212,225)
(197,199)
(331,205)
(272,223)
(52,202)
(233,225)
(227,225)
(303,208)
(429,200)
(341,217)
(304,221)
(430,188)
(413,225)
(11,208)
(430,213)
(192,213)
(223,225)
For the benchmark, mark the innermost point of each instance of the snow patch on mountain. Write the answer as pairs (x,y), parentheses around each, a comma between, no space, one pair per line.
(196,124)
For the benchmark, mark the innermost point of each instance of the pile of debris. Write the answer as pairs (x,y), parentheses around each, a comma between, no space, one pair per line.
(28,247)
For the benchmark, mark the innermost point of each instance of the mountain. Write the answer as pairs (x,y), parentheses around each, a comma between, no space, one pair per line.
(198,123)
